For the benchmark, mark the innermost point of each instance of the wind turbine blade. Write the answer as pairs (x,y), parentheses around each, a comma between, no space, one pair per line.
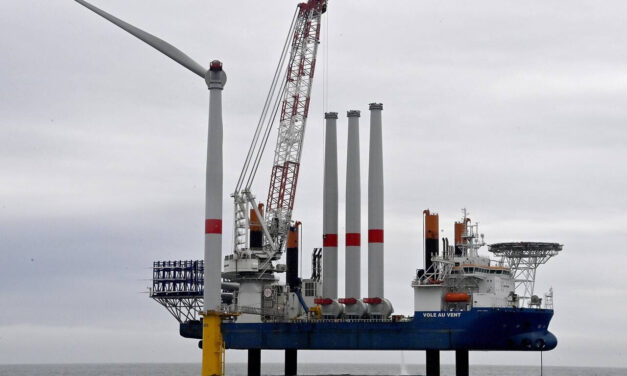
(159,44)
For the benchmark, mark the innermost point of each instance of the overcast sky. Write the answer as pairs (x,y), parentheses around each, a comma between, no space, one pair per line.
(514,110)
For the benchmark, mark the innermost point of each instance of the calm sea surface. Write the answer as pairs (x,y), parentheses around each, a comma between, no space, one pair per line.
(304,369)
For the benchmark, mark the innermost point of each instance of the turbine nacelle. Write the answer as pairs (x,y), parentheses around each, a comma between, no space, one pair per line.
(215,76)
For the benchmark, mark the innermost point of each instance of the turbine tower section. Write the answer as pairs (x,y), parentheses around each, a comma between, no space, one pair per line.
(378,306)
(353,209)
(375,205)
(215,79)
(330,209)
(331,308)
(354,308)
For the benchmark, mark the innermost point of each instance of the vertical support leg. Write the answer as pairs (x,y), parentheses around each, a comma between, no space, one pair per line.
(433,362)
(254,362)
(212,344)
(291,361)
(461,363)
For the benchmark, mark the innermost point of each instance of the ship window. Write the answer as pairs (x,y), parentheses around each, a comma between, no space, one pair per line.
(310,289)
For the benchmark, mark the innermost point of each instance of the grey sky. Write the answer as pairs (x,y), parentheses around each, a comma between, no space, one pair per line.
(514,110)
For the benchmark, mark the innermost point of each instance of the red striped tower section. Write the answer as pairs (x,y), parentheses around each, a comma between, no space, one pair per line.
(353,209)
(330,209)
(377,305)
(375,205)
(216,79)
(354,307)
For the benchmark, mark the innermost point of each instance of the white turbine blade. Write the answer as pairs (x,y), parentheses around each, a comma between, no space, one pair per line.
(159,44)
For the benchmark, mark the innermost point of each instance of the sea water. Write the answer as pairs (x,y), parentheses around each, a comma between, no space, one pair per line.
(239,369)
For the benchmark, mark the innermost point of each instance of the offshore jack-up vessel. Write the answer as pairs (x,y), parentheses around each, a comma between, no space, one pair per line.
(462,301)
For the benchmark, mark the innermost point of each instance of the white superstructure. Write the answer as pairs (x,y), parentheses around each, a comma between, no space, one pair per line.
(460,279)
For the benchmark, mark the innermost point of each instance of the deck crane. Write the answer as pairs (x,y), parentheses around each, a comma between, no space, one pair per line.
(289,97)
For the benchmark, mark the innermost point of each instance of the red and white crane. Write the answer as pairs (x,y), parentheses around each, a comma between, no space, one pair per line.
(289,98)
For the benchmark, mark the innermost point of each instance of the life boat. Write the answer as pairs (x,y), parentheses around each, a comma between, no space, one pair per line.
(453,297)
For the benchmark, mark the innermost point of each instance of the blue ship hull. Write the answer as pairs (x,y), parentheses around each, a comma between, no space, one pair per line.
(477,329)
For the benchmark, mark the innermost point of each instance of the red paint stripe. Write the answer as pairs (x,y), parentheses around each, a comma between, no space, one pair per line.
(348,301)
(329,240)
(213,226)
(323,301)
(375,236)
(353,239)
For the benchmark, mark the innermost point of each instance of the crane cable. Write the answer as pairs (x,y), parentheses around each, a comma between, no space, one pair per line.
(325,77)
(277,104)
(272,100)
(325,91)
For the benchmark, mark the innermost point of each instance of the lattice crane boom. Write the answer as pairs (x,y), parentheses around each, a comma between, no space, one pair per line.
(293,118)
(288,101)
